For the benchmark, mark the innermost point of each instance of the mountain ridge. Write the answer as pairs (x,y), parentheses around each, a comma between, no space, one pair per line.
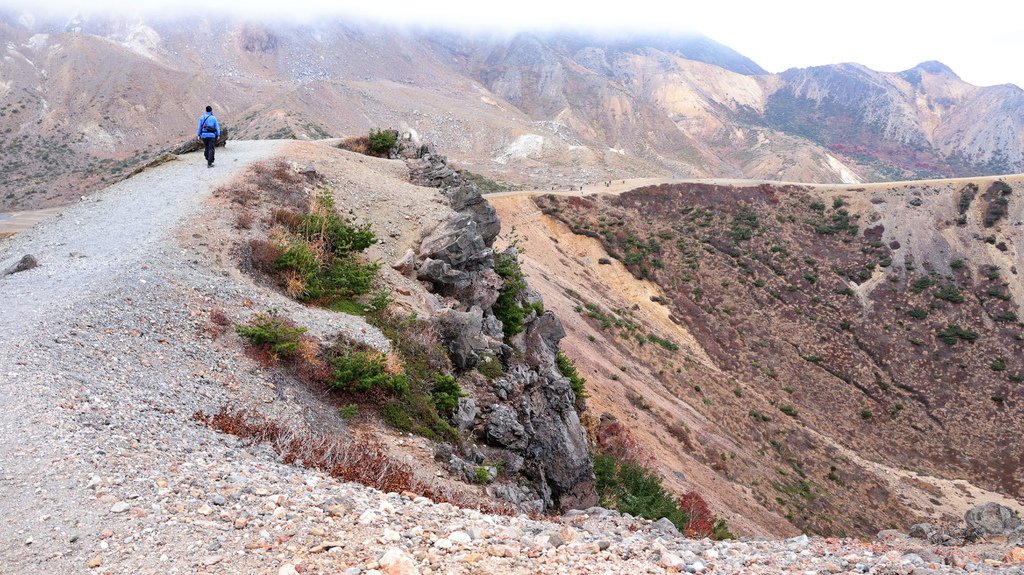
(533,109)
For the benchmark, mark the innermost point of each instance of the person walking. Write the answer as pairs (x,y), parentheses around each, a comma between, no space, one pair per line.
(208,132)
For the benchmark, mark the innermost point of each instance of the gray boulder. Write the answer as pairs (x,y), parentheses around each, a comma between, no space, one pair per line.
(458,243)
(462,332)
(504,429)
(466,198)
(465,413)
(991,519)
(666,526)
(921,530)
(26,263)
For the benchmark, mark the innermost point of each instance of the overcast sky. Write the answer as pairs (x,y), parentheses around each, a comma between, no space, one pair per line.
(981,40)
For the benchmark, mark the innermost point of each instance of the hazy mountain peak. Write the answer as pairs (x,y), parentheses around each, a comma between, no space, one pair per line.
(936,68)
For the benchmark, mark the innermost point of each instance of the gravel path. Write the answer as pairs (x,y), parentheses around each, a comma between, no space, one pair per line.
(107,351)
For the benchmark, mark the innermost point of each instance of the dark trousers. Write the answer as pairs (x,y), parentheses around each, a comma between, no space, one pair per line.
(211,145)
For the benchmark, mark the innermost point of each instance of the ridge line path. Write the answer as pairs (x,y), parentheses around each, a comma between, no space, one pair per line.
(102,363)
(110,231)
(618,187)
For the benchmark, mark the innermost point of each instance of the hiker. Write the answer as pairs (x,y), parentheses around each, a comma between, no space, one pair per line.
(208,132)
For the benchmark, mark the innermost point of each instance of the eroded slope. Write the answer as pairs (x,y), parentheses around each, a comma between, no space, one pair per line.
(840,352)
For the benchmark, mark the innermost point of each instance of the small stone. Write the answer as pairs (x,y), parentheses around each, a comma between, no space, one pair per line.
(204,509)
(212,560)
(666,526)
(1016,555)
(368,517)
(219,500)
(120,507)
(499,551)
(95,562)
(397,562)
(287,569)
(337,510)
(443,544)
(798,541)
(460,538)
(920,530)
(671,561)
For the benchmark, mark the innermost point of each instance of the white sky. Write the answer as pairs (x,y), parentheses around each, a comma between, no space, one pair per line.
(981,40)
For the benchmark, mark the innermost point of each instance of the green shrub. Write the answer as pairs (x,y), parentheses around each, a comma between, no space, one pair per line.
(954,333)
(348,411)
(950,293)
(415,413)
(921,284)
(508,308)
(322,255)
(999,364)
(361,371)
(446,394)
(918,313)
(323,225)
(490,366)
(483,474)
(632,489)
(664,343)
(788,410)
(347,277)
(381,141)
(865,414)
(280,335)
(576,381)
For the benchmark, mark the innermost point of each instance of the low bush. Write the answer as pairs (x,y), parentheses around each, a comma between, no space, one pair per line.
(446,394)
(788,410)
(508,308)
(319,262)
(361,371)
(280,336)
(490,366)
(576,381)
(632,489)
(381,141)
(953,333)
(950,293)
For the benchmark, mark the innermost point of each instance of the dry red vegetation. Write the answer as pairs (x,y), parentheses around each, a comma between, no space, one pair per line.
(361,462)
(614,438)
(702,522)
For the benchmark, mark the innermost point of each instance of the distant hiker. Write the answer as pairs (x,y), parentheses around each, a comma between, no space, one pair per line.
(208,131)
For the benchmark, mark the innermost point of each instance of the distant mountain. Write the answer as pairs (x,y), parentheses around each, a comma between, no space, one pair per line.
(87,100)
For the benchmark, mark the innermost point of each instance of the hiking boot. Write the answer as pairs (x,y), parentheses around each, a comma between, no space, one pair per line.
(209,164)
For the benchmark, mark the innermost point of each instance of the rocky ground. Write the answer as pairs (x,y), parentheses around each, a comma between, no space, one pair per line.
(107,351)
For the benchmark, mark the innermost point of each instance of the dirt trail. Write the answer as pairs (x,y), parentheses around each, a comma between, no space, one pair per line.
(105,235)
(620,186)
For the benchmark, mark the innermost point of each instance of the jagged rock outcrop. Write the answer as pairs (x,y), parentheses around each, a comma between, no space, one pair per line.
(525,417)
(991,519)
(433,171)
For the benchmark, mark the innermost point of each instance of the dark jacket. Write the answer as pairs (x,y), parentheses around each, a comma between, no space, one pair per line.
(210,121)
